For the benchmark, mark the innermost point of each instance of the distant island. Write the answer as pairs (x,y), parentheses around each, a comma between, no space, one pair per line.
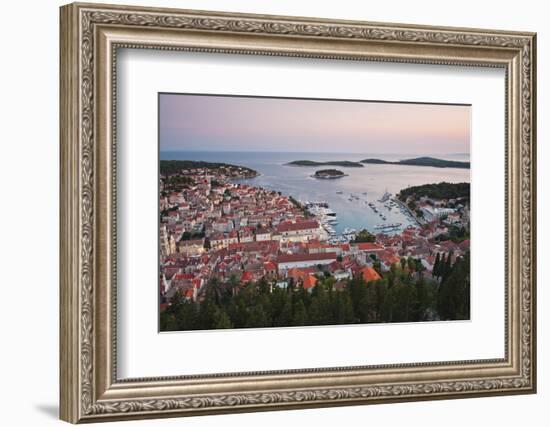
(341,163)
(421,161)
(329,174)
(174,167)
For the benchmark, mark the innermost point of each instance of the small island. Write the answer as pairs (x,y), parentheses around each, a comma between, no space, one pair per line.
(340,163)
(421,161)
(329,174)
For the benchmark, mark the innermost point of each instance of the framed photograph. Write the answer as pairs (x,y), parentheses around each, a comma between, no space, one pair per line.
(266,213)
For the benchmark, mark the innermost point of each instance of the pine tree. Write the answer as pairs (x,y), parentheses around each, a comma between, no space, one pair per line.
(420,303)
(448,264)
(442,265)
(222,321)
(284,316)
(257,317)
(320,311)
(411,264)
(454,292)
(345,309)
(168,322)
(299,314)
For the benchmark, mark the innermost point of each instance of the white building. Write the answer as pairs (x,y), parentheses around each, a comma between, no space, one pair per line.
(191,247)
(263,235)
(301,231)
(286,262)
(431,213)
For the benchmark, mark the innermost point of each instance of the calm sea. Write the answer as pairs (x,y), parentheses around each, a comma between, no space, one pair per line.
(368,183)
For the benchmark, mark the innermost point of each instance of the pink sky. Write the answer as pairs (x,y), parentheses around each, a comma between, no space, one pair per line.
(227,123)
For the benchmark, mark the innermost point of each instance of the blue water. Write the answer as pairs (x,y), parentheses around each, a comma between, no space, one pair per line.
(297,182)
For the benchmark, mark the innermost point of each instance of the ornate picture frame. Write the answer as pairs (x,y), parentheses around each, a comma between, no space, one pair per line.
(90,37)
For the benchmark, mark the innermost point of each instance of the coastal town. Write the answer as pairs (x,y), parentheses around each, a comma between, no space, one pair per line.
(216,227)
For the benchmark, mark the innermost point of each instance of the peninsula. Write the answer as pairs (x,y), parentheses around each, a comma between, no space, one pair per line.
(341,163)
(421,161)
(175,167)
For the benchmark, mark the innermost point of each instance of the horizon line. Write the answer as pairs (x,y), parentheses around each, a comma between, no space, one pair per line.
(306,152)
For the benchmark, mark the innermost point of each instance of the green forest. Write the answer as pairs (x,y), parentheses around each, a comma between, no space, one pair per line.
(442,190)
(403,294)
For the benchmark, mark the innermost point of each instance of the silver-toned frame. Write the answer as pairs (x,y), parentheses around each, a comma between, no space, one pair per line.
(90,37)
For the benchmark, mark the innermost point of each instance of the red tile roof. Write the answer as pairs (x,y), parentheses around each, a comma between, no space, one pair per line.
(390,258)
(369,274)
(270,265)
(315,244)
(368,246)
(309,282)
(296,273)
(247,276)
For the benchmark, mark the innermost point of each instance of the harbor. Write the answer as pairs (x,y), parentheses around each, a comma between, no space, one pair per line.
(391,214)
(349,197)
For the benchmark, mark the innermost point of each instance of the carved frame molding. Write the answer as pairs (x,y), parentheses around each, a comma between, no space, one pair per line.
(89,388)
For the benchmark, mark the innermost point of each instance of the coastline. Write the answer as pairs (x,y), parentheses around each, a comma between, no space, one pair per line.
(269,174)
(419,221)
(425,161)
